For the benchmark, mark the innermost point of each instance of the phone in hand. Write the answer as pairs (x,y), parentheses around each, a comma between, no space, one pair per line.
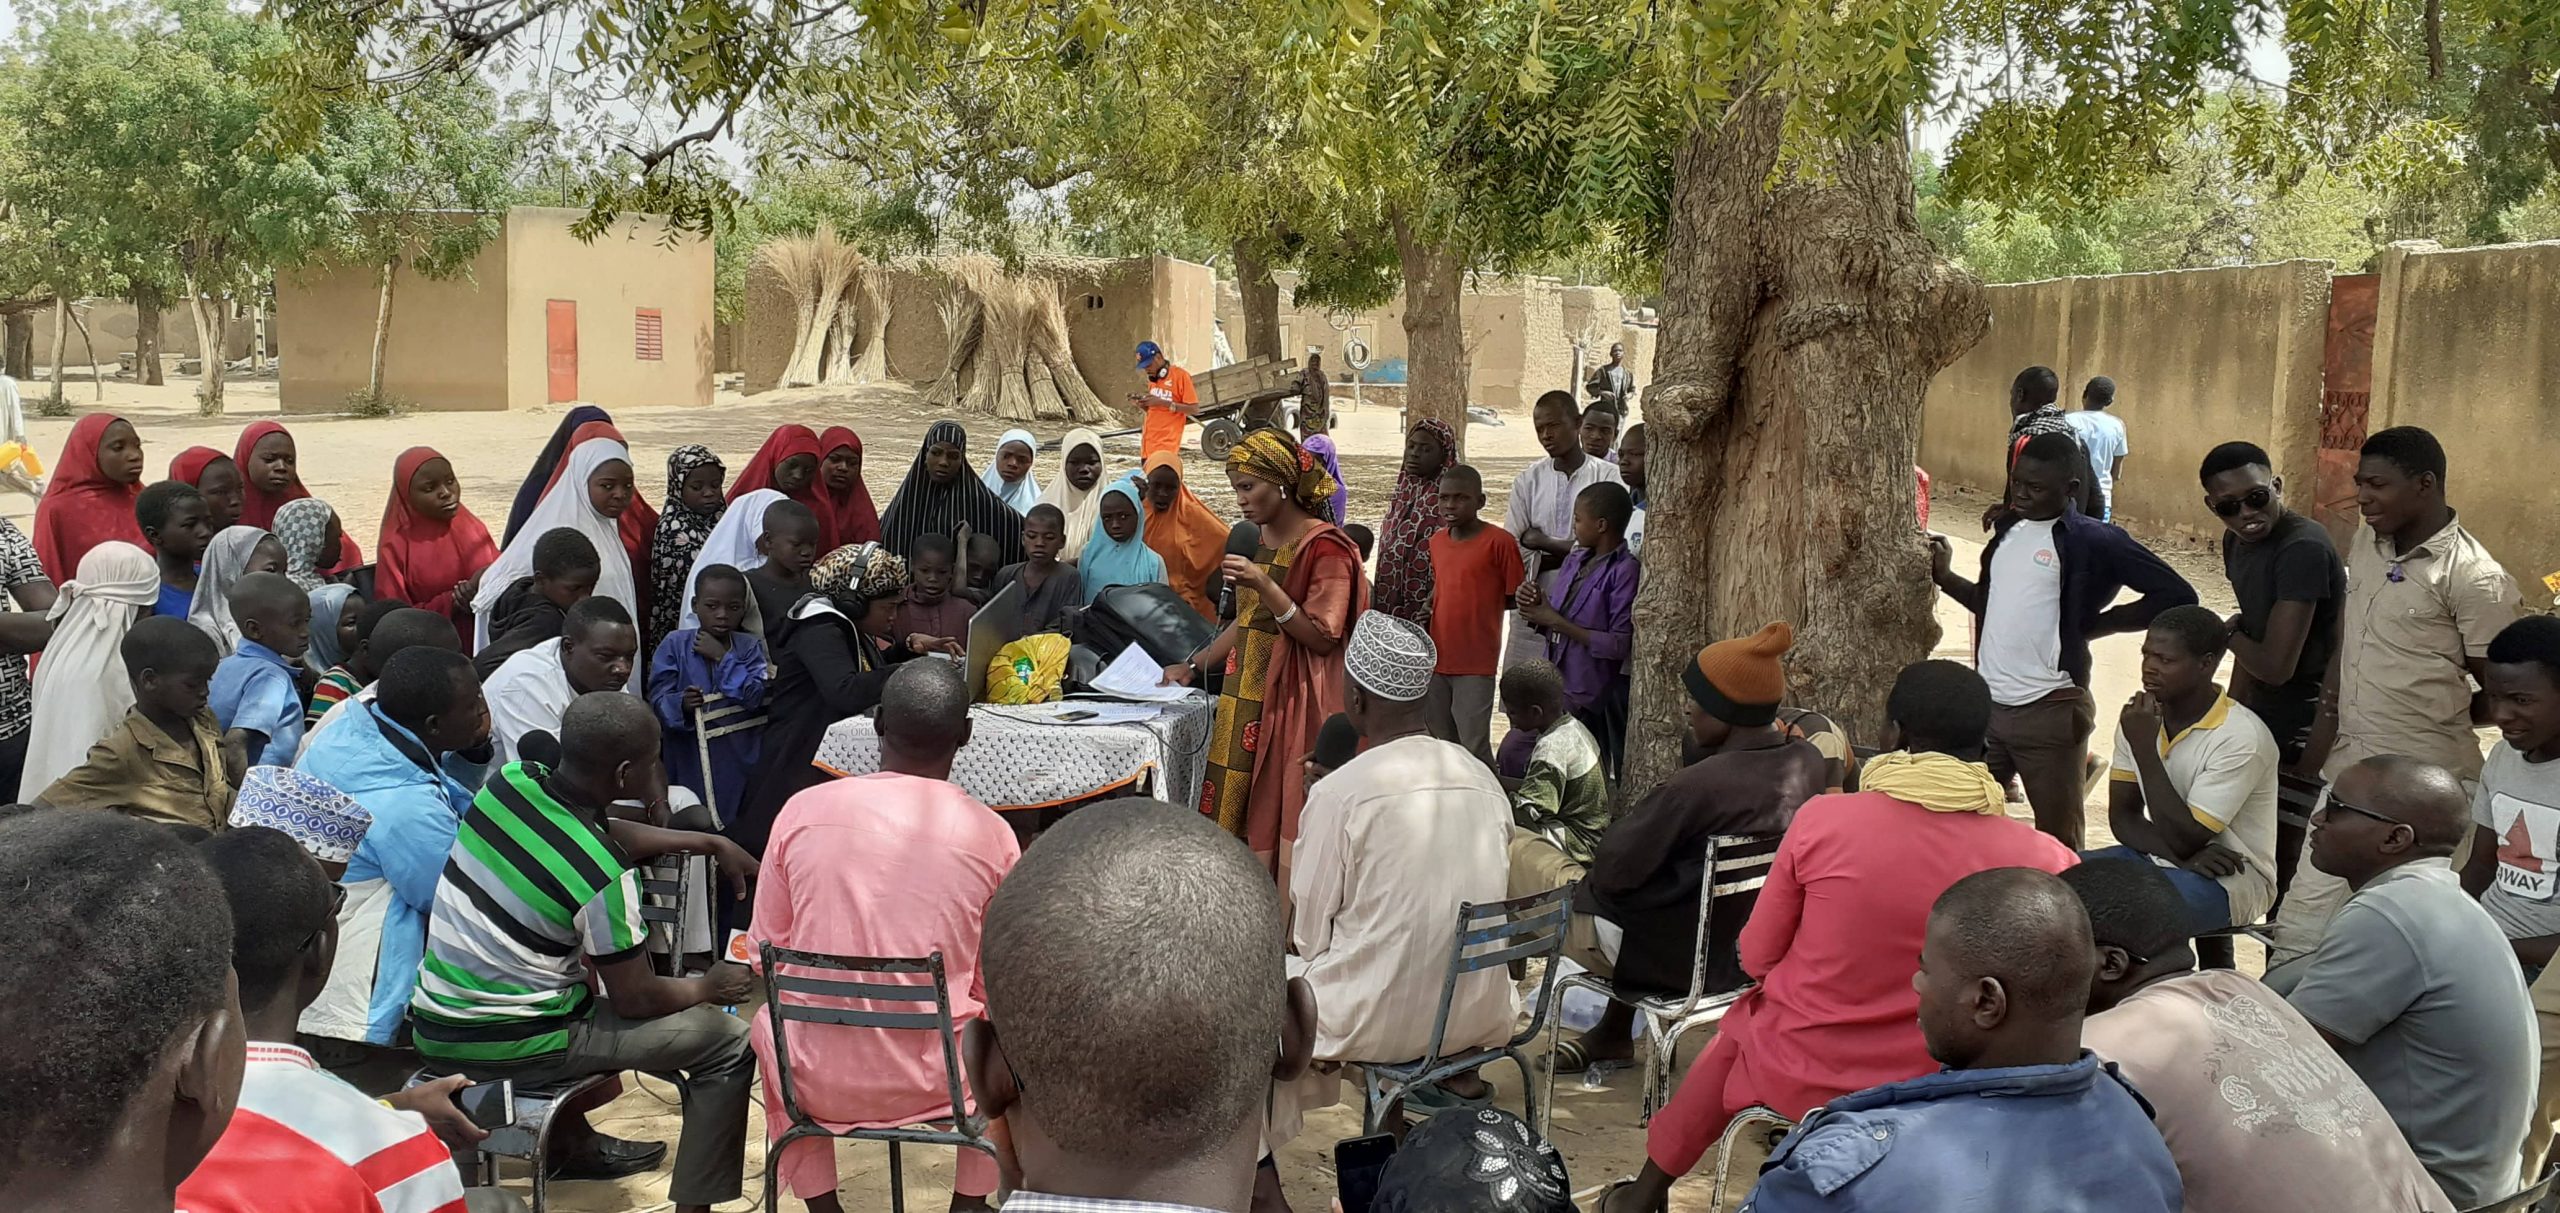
(490,1105)
(1357,1165)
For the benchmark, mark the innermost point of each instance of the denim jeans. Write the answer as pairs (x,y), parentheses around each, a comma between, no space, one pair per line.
(2208,903)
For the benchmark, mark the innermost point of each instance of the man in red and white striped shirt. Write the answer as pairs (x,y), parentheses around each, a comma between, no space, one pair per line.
(303,1140)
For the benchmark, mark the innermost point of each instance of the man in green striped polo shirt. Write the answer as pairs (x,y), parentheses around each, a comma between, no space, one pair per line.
(535,893)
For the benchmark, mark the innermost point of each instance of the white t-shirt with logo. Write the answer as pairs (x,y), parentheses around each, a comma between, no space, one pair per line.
(2519,803)
(2020,654)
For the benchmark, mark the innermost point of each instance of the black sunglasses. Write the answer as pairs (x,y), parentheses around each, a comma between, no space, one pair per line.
(2258,498)
(2361,811)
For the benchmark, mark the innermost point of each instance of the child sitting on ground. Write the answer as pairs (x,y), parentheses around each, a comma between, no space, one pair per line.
(533,610)
(715,670)
(929,608)
(168,761)
(174,523)
(789,546)
(337,614)
(1475,569)
(254,689)
(978,582)
(1590,626)
(1560,802)
(1048,587)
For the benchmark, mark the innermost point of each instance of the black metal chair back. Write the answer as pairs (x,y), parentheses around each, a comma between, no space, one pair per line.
(2534,1199)
(666,899)
(1735,868)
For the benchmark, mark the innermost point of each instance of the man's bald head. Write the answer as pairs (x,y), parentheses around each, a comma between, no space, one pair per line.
(1134,981)
(2428,797)
(925,706)
(2384,812)
(2005,970)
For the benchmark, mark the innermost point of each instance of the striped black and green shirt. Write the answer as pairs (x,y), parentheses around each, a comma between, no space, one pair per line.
(530,884)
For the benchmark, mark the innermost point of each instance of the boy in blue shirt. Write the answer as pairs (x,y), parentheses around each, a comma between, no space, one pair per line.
(176,524)
(718,671)
(257,689)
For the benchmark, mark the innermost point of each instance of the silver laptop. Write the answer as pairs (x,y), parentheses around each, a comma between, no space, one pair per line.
(997,624)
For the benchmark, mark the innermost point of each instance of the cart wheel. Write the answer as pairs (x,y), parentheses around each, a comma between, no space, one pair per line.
(1219,437)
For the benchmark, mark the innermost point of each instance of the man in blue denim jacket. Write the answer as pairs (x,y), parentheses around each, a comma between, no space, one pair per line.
(2022,1117)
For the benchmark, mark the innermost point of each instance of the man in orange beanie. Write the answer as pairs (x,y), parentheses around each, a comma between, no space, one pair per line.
(1640,898)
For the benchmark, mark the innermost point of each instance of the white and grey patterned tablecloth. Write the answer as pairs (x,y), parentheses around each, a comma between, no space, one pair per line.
(1017,759)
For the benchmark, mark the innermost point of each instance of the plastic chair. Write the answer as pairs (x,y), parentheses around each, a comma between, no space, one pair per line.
(967,1131)
(1737,865)
(1522,928)
(2534,1199)
(528,1138)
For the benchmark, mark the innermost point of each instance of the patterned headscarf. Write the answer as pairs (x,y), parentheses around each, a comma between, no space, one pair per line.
(327,822)
(1482,1160)
(1268,455)
(1404,541)
(300,526)
(681,530)
(866,571)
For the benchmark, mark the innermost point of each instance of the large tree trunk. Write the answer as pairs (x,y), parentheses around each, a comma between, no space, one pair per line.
(18,345)
(387,278)
(1261,295)
(1801,323)
(1435,332)
(147,345)
(61,349)
(207,311)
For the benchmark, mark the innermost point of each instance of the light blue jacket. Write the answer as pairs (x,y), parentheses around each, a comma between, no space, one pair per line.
(417,810)
(2054,1139)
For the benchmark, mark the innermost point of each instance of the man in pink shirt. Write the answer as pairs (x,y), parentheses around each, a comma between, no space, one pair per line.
(897,863)
(1833,937)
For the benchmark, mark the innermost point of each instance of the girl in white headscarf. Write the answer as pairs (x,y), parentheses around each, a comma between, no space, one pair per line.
(733,543)
(235,553)
(81,683)
(593,489)
(1008,471)
(1077,492)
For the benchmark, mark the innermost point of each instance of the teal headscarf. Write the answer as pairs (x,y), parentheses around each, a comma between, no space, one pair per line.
(1108,562)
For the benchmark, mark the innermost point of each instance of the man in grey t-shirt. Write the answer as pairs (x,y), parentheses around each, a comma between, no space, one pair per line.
(2414,985)
(2515,856)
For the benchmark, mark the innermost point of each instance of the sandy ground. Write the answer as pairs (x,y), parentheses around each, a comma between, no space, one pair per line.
(347,461)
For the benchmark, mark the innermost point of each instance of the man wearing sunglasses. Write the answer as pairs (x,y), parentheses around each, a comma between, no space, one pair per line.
(2291,586)
(2414,983)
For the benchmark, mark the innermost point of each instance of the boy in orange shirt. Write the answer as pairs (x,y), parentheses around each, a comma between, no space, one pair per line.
(1169,400)
(1475,568)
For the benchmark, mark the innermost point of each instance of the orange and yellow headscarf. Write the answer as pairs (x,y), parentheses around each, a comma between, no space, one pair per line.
(1268,455)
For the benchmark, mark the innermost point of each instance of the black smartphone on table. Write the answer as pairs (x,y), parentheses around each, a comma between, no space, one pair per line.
(1357,1165)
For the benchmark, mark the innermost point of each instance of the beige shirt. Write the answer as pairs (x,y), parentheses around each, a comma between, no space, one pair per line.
(2258,1111)
(1389,846)
(143,772)
(2411,620)
(2225,766)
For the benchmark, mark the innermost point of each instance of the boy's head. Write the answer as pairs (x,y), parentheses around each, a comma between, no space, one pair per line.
(2399,478)
(598,646)
(2181,651)
(1461,495)
(565,567)
(174,519)
(272,610)
(720,599)
(1533,696)
(790,539)
(2034,388)
(2044,479)
(2523,683)
(170,664)
(1600,516)
(932,567)
(2098,393)
(1938,707)
(1631,451)
(1559,424)
(361,660)
(1337,742)
(284,930)
(985,555)
(2242,489)
(1599,431)
(1044,534)
(1366,538)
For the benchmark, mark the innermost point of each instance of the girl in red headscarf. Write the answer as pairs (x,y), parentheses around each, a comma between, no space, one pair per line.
(270,475)
(849,516)
(90,500)
(787,463)
(432,548)
(217,477)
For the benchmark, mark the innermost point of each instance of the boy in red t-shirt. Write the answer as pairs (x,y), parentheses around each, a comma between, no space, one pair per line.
(1475,569)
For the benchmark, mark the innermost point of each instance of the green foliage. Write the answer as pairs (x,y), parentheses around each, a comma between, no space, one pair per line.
(422,178)
(365,402)
(794,202)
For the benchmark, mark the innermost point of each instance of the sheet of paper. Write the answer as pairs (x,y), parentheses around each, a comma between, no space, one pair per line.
(1134,675)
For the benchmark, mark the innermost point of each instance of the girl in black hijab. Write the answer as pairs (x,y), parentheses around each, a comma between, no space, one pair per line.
(941,494)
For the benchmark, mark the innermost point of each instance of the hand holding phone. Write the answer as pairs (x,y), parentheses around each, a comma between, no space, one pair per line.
(1357,1165)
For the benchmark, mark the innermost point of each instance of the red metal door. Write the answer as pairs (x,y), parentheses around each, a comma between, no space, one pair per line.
(560,345)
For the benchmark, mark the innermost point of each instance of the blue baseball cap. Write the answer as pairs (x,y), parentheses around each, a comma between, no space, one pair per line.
(1147,351)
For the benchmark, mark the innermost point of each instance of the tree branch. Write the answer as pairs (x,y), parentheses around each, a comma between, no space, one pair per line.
(650,160)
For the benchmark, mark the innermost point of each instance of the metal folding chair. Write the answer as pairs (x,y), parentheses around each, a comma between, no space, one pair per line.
(1737,865)
(1488,937)
(790,1001)
(529,1138)
(2534,1199)
(666,899)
